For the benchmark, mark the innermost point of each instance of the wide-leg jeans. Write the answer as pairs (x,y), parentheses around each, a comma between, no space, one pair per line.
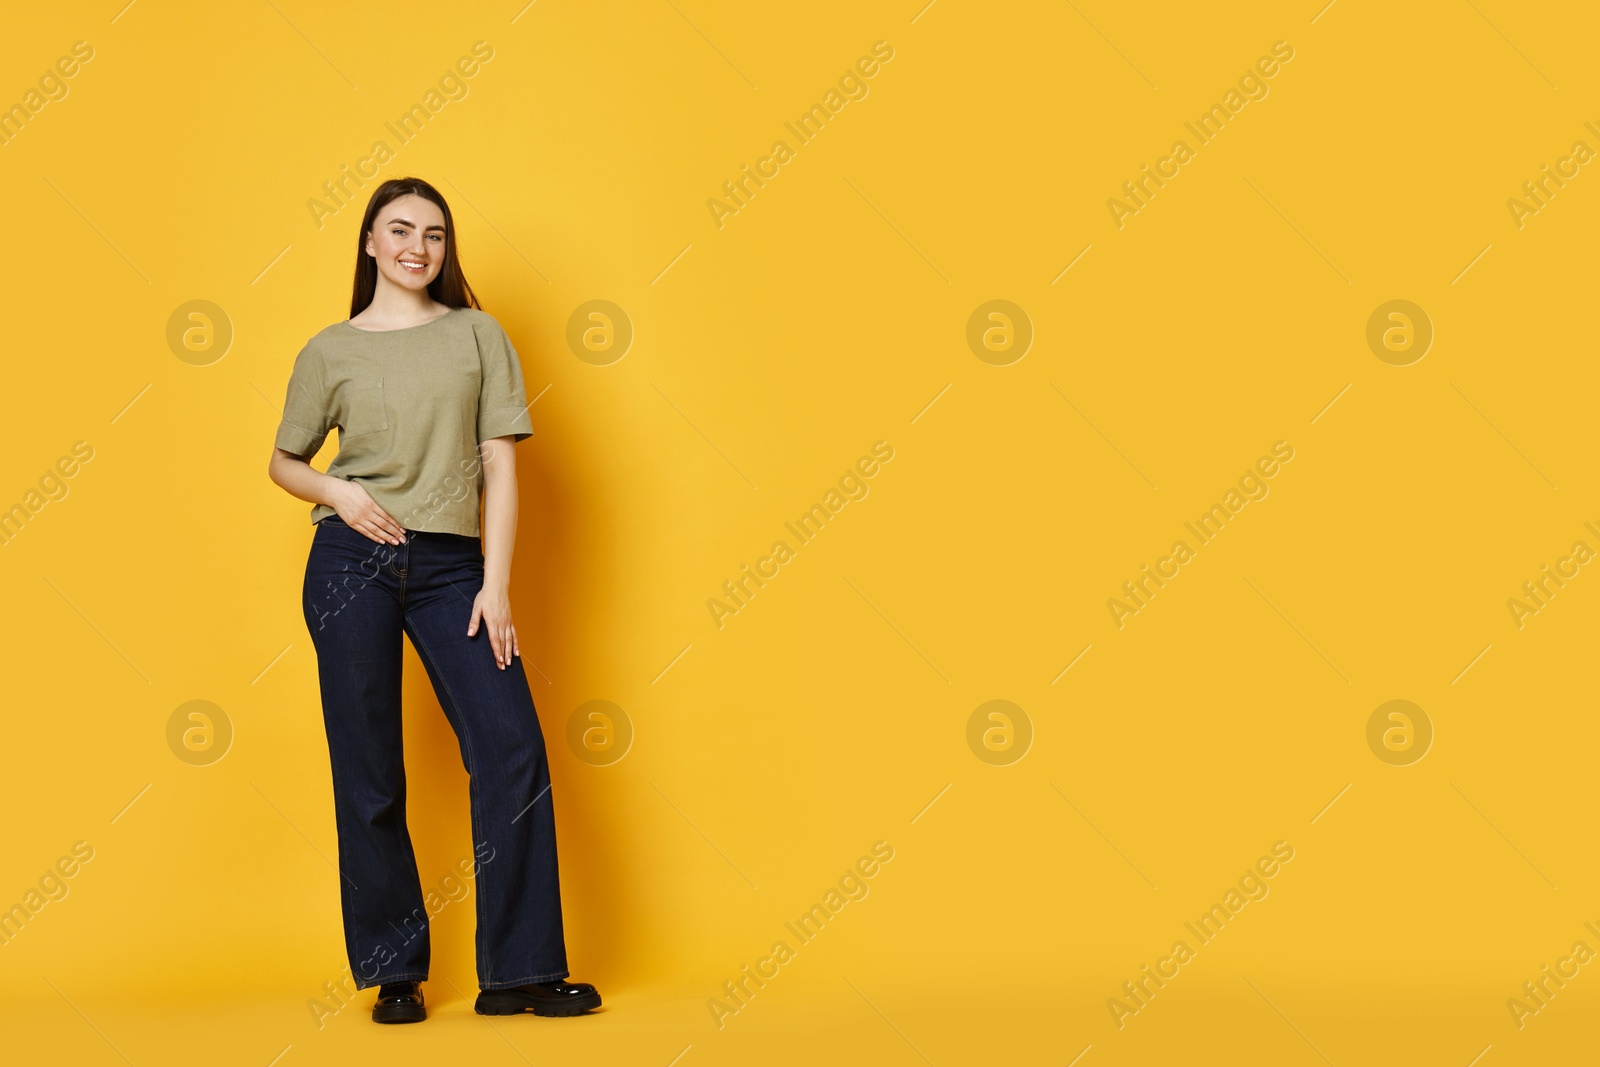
(359,597)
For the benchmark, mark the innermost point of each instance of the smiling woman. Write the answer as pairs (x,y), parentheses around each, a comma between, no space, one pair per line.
(422,384)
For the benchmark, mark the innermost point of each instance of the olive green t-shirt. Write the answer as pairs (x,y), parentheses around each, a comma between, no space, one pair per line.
(412,405)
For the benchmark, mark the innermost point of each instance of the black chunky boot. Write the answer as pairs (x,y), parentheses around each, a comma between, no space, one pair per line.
(542,998)
(399,1002)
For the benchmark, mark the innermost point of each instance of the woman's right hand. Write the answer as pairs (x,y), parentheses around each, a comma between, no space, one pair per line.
(361,513)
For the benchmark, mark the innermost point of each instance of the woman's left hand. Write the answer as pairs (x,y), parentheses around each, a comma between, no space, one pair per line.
(493,606)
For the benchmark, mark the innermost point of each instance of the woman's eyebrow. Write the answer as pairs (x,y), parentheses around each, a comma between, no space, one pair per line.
(408,222)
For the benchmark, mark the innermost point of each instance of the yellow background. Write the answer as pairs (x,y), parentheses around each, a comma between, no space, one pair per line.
(769,354)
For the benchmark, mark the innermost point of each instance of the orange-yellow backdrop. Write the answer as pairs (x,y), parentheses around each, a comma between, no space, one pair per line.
(1146,358)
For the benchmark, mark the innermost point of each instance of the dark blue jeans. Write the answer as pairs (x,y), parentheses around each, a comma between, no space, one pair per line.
(359,596)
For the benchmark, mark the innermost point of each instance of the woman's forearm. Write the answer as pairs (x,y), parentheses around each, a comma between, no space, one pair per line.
(297,477)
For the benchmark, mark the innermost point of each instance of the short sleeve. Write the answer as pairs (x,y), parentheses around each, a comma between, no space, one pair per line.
(306,418)
(502,400)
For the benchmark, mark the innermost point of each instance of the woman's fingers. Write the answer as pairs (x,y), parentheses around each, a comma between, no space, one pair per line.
(374,530)
(505,645)
(390,530)
(381,528)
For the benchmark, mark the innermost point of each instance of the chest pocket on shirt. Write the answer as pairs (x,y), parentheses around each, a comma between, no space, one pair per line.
(364,409)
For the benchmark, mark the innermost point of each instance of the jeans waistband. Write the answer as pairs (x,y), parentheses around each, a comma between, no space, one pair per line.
(334,522)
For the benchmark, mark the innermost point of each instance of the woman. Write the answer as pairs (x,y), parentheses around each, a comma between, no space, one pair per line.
(427,393)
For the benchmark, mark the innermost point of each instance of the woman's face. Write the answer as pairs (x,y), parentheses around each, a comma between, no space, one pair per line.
(407,241)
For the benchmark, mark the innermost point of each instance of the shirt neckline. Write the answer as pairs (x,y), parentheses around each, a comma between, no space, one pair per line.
(402,329)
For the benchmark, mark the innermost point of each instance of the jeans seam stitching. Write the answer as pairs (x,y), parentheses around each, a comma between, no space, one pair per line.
(477,830)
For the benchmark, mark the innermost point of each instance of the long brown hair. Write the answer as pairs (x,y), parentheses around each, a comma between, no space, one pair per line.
(448,287)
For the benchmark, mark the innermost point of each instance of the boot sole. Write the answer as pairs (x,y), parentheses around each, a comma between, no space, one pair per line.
(505,1002)
(398,1013)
